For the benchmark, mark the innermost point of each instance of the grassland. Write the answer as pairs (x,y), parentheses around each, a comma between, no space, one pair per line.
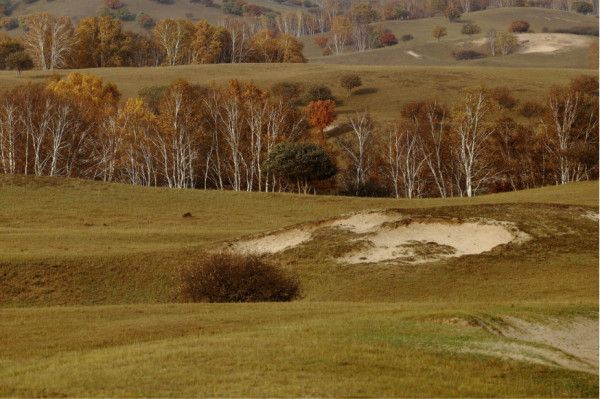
(358,331)
(385,88)
(440,53)
(77,9)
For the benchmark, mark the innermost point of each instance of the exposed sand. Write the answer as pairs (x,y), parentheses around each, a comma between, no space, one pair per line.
(570,344)
(423,241)
(549,42)
(414,54)
(593,216)
(275,242)
(389,236)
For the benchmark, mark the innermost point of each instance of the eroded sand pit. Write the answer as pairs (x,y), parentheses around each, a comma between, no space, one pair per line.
(391,236)
(424,241)
(550,42)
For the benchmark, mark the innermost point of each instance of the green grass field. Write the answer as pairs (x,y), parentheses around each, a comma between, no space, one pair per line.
(110,254)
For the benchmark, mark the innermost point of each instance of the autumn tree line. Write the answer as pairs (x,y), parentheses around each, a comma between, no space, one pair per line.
(52,42)
(244,138)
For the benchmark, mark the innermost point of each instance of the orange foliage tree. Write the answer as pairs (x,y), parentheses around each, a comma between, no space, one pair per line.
(321,114)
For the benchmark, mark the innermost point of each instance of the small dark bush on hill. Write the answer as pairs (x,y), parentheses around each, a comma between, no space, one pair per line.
(531,109)
(406,38)
(227,277)
(518,26)
(318,93)
(470,29)
(578,30)
(467,55)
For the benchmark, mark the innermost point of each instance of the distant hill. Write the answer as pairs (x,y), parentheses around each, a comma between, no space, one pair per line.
(78,9)
(570,51)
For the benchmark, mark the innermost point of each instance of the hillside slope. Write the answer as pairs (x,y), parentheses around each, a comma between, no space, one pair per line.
(68,242)
(424,50)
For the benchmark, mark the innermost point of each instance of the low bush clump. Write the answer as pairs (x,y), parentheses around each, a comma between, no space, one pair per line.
(407,38)
(531,109)
(582,30)
(467,55)
(470,29)
(227,277)
(519,27)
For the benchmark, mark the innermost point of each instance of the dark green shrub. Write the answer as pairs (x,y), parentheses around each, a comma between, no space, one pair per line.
(228,277)
(319,93)
(300,164)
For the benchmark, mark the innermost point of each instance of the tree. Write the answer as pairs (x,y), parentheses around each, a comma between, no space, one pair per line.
(19,61)
(570,128)
(506,43)
(100,42)
(360,148)
(350,82)
(472,131)
(49,40)
(341,29)
(438,32)
(583,7)
(405,160)
(320,114)
(8,46)
(492,37)
(211,44)
(174,36)
(300,163)
(452,12)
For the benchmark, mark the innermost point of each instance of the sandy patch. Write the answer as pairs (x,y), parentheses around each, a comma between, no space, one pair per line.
(549,42)
(424,241)
(569,344)
(414,54)
(275,242)
(389,236)
(591,215)
(361,223)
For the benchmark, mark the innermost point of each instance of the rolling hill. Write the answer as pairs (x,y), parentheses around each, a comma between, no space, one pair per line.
(522,312)
(424,50)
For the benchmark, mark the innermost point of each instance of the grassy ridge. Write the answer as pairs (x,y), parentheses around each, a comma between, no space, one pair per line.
(385,88)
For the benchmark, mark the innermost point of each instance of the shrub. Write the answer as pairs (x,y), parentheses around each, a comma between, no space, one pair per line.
(583,7)
(350,81)
(145,21)
(452,12)
(470,29)
(518,26)
(319,93)
(531,109)
(290,91)
(321,41)
(583,30)
(406,38)
(467,55)
(227,277)
(387,39)
(9,23)
(504,97)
